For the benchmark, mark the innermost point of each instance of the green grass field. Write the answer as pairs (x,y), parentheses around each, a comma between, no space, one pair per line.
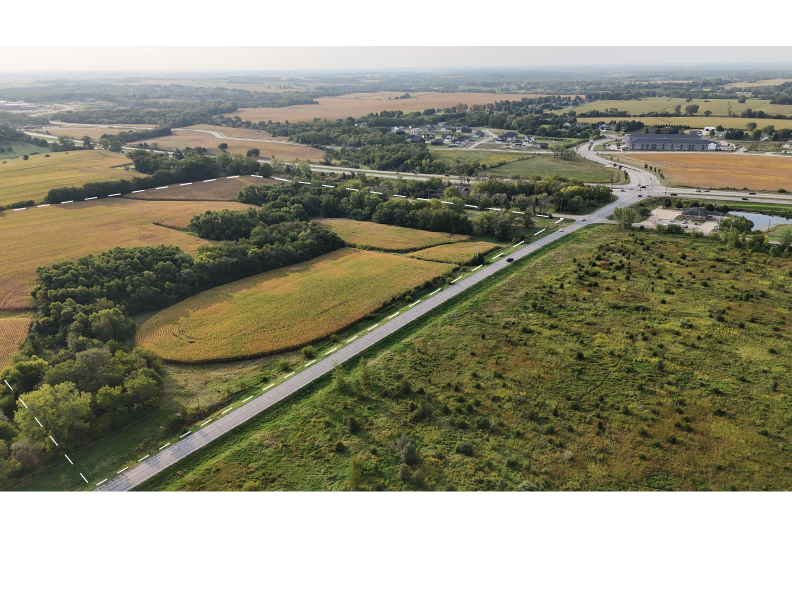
(20,149)
(608,361)
(527,165)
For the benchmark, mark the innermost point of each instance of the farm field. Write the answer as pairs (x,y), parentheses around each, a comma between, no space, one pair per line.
(357,104)
(697,121)
(365,234)
(281,150)
(77,131)
(223,189)
(721,170)
(236,132)
(43,236)
(21,148)
(763,83)
(719,108)
(549,165)
(524,384)
(32,179)
(13,332)
(460,253)
(283,309)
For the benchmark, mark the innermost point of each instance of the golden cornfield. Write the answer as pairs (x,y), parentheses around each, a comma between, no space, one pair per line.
(369,235)
(283,309)
(33,178)
(64,232)
(12,336)
(763,172)
(460,253)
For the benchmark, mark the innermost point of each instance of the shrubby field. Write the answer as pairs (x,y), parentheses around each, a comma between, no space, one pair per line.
(460,253)
(381,237)
(283,309)
(608,362)
(42,236)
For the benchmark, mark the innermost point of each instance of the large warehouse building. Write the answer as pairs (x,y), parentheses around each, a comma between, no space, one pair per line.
(668,142)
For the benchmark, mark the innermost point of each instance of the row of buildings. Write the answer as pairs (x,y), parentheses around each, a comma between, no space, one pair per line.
(668,142)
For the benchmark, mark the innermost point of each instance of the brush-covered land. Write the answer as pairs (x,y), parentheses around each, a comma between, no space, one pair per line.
(611,361)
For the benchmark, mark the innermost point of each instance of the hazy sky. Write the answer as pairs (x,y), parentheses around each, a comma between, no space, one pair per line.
(229,59)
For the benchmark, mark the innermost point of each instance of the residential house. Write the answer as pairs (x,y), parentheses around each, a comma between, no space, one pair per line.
(478,133)
(507,137)
(465,128)
(415,138)
(607,126)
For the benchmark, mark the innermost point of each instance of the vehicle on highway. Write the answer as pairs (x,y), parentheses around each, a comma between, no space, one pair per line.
(673,194)
(743,198)
(706,191)
(698,190)
(583,219)
(510,259)
(640,195)
(751,193)
(561,230)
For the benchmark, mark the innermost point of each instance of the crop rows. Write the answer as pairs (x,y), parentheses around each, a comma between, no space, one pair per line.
(43,236)
(460,253)
(12,335)
(368,235)
(283,309)
(31,179)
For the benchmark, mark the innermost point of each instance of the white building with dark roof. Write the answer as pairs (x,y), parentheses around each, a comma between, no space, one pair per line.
(667,142)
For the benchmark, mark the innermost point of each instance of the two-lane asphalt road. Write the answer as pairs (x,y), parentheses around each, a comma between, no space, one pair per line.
(212,431)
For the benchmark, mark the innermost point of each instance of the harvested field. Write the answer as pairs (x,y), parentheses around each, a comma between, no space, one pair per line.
(460,253)
(282,150)
(764,83)
(357,104)
(365,234)
(697,121)
(43,236)
(32,179)
(223,189)
(236,132)
(721,170)
(719,108)
(77,132)
(283,309)
(12,336)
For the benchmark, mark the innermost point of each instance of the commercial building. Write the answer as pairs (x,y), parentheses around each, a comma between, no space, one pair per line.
(667,142)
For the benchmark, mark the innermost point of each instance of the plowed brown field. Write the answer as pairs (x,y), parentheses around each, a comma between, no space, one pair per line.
(43,236)
(762,172)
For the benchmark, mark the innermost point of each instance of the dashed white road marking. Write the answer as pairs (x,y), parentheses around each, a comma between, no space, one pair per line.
(540,231)
(70,201)
(144,458)
(433,292)
(287,375)
(67,457)
(161,187)
(268,386)
(206,422)
(84,478)
(372,327)
(352,338)
(331,186)
(161,447)
(138,191)
(9,386)
(309,363)
(209,180)
(187,434)
(124,470)
(39,422)
(474,269)
(518,244)
(414,303)
(235,176)
(332,350)
(498,255)
(53,439)
(42,205)
(99,483)
(455,280)
(112,195)
(93,198)
(184,184)
(247,398)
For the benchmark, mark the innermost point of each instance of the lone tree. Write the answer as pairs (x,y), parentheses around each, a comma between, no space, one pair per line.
(625,217)
(223,147)
(253,153)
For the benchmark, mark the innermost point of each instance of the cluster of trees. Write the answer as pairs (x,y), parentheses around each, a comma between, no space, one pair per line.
(554,193)
(413,157)
(78,395)
(434,215)
(10,134)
